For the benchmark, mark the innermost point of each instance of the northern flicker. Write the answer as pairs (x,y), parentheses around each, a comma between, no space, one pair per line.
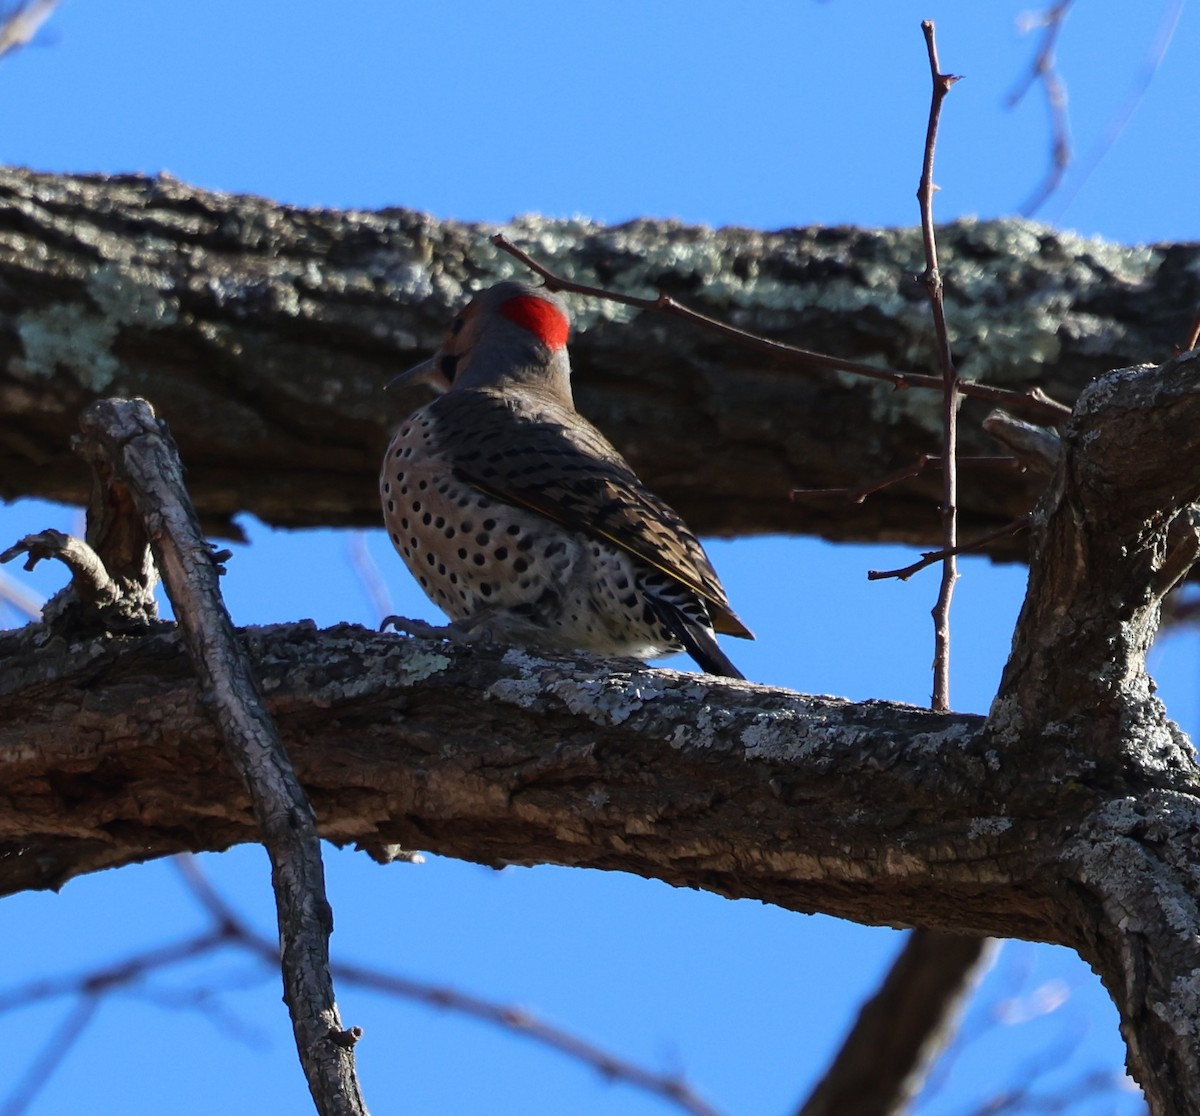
(521,521)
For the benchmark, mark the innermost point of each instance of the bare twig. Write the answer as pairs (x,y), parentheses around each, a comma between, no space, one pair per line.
(229,930)
(932,280)
(89,578)
(668,1086)
(931,557)
(902,1029)
(860,492)
(142,454)
(1044,72)
(1035,404)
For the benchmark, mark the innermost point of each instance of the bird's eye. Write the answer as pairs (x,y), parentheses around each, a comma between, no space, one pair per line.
(456,326)
(449,366)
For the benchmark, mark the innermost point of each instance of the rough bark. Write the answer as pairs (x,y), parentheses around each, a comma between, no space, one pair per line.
(133,449)
(1071,815)
(110,757)
(1114,533)
(263,334)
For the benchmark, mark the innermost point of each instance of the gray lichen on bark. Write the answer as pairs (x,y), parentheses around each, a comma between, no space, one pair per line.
(264,333)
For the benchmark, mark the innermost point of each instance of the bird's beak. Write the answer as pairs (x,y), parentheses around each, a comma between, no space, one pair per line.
(424,373)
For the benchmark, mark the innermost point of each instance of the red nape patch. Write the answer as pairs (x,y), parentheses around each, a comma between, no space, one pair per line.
(540,317)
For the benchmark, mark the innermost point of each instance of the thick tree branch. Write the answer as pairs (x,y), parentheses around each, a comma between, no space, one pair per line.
(1113,534)
(263,335)
(1072,815)
(493,756)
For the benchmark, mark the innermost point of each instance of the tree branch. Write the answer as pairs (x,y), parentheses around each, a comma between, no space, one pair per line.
(264,335)
(139,456)
(1072,815)
(901,1029)
(931,279)
(1113,534)
(498,757)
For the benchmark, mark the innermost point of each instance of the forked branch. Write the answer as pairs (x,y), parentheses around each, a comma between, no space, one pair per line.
(141,457)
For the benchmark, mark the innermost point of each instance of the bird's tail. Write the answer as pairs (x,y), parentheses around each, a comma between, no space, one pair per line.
(698,640)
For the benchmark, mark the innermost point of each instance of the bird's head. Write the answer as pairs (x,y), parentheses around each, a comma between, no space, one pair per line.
(512,335)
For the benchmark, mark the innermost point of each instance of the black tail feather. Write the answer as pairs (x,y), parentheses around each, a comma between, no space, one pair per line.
(698,641)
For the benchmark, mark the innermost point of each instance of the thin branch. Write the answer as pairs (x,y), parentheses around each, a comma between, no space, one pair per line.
(668,1086)
(230,929)
(89,578)
(142,455)
(1044,72)
(1035,404)
(120,973)
(930,557)
(932,280)
(910,1020)
(859,493)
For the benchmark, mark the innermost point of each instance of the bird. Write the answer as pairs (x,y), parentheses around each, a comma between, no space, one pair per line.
(521,521)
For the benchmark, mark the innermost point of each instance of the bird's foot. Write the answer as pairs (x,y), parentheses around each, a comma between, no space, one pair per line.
(462,632)
(481,628)
(419,628)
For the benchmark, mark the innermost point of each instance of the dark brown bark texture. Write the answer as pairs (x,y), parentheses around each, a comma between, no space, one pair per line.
(263,334)
(1071,814)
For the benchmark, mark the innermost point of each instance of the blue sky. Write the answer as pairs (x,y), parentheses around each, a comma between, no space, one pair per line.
(766,115)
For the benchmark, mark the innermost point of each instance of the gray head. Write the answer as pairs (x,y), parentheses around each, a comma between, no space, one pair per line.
(511,336)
